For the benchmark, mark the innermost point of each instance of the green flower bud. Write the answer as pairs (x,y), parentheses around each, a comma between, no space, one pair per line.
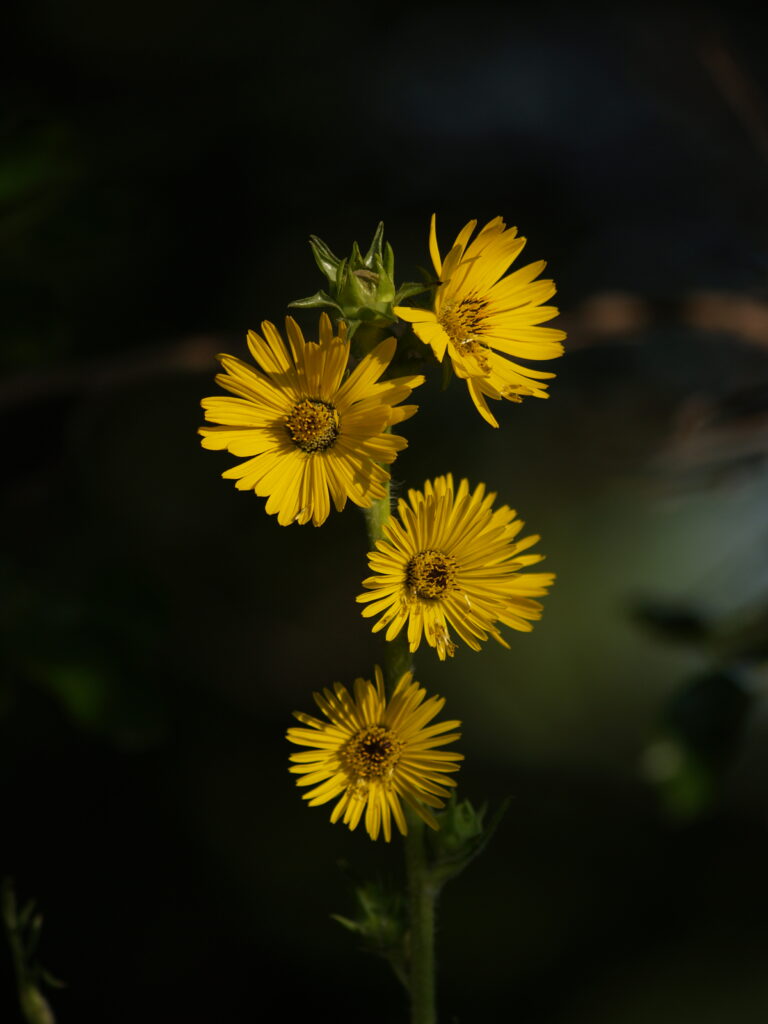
(361,288)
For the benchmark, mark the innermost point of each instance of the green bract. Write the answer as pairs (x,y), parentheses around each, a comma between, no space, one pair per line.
(361,289)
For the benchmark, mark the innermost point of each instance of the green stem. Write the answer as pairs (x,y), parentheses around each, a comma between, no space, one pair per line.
(377,515)
(421,906)
(422,894)
(396,657)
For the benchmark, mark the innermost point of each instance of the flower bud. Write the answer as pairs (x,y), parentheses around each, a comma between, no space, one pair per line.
(361,288)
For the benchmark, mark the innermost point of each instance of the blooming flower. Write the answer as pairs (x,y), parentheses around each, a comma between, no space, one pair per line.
(308,435)
(373,754)
(479,313)
(450,561)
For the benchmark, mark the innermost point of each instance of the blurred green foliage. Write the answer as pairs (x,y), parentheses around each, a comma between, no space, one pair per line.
(161,169)
(23,926)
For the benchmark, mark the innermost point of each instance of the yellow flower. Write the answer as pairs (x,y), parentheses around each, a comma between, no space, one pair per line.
(372,754)
(309,435)
(452,561)
(479,313)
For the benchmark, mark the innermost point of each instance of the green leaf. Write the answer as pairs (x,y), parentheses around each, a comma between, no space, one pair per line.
(324,258)
(345,922)
(462,837)
(710,715)
(686,786)
(381,922)
(409,288)
(318,300)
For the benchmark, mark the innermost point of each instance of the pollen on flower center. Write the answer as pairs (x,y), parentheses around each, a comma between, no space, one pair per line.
(313,425)
(431,574)
(372,753)
(463,322)
(463,319)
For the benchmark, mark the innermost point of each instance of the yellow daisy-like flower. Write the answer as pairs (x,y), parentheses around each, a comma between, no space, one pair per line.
(376,755)
(451,561)
(479,313)
(308,434)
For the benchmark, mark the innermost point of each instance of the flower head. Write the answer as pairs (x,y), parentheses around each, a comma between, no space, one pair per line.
(478,313)
(309,436)
(375,755)
(451,561)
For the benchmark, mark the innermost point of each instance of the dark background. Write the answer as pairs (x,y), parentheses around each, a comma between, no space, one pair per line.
(161,168)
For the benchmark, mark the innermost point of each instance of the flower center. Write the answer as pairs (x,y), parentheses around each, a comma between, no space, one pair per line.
(431,574)
(313,425)
(463,322)
(372,753)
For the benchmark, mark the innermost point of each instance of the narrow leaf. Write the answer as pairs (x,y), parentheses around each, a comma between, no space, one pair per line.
(375,246)
(319,299)
(409,288)
(389,260)
(324,258)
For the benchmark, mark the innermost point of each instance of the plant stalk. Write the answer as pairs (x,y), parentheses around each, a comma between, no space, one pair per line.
(421,907)
(422,894)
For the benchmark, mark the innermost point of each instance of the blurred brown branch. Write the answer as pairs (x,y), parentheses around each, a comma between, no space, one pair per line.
(738,90)
(704,441)
(603,318)
(614,316)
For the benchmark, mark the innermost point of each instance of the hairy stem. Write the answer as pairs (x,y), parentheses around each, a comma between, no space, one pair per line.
(421,906)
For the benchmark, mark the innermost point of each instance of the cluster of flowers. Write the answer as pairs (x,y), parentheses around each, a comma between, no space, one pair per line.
(313,430)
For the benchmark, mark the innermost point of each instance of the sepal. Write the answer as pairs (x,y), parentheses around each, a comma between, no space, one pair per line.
(374,249)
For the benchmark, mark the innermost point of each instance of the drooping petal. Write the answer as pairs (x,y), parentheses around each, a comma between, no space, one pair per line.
(480,310)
